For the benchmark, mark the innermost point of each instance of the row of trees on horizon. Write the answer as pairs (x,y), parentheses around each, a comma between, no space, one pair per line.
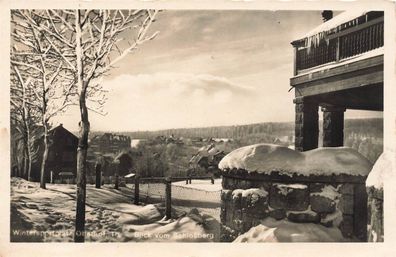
(370,127)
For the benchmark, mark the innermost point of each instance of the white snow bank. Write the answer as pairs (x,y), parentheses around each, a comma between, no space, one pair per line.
(329,192)
(250,191)
(142,215)
(185,229)
(271,230)
(382,170)
(267,158)
(284,189)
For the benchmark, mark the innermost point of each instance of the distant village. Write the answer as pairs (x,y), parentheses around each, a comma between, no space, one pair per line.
(107,148)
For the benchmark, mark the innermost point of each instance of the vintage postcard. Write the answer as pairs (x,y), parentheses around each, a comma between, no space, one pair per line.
(132,123)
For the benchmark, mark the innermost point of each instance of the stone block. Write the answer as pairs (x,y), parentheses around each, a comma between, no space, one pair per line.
(345,205)
(316,187)
(322,204)
(228,183)
(298,140)
(238,213)
(299,107)
(237,199)
(346,189)
(227,234)
(297,199)
(303,217)
(238,224)
(223,215)
(255,202)
(226,195)
(346,226)
(261,184)
(299,117)
(277,198)
(244,184)
(229,216)
(278,214)
(291,197)
(375,231)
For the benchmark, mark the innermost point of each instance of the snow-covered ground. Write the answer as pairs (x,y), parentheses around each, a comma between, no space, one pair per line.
(201,184)
(48,215)
(271,230)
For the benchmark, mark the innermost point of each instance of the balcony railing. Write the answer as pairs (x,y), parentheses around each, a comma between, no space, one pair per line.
(340,45)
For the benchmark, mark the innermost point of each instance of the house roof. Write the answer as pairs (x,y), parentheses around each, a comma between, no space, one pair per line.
(61,128)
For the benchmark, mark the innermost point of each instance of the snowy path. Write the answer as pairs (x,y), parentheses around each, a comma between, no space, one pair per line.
(48,215)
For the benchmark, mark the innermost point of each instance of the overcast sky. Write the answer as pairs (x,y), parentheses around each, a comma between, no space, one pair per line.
(206,68)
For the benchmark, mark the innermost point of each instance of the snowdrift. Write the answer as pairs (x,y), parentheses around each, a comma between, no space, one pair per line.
(271,230)
(268,158)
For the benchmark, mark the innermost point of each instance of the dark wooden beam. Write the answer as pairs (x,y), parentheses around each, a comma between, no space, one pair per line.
(372,62)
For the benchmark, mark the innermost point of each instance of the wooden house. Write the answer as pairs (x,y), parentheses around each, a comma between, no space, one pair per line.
(62,154)
(338,65)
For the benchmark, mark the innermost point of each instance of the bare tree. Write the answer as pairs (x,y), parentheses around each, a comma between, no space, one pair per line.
(21,122)
(47,83)
(90,43)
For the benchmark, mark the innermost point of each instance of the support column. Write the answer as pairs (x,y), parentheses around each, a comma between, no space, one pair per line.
(306,125)
(333,126)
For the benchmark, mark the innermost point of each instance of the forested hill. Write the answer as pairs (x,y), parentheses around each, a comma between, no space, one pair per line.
(364,127)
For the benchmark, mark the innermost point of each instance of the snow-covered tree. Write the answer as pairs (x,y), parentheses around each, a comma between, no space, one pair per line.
(89,43)
(47,83)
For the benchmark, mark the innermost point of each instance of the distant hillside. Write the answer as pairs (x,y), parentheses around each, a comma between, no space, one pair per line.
(369,127)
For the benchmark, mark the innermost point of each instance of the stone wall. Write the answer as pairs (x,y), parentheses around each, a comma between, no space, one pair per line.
(332,201)
(375,231)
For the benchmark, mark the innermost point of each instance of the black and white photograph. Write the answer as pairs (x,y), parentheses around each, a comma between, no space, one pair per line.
(198,125)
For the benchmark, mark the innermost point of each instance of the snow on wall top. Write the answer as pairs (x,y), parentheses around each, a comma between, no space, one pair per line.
(341,18)
(382,170)
(267,158)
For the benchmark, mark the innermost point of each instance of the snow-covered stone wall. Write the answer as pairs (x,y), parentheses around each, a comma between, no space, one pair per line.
(381,172)
(331,199)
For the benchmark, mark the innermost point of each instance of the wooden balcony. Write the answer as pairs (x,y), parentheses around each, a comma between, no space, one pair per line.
(364,34)
(344,66)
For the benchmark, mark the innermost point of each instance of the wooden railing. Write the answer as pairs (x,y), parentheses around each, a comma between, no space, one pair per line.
(341,45)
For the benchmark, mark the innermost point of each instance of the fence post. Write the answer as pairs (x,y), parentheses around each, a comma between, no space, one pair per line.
(52,177)
(98,173)
(168,198)
(212,180)
(136,200)
(117,164)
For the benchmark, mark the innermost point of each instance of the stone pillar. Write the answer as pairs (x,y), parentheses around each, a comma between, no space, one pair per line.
(333,126)
(307,125)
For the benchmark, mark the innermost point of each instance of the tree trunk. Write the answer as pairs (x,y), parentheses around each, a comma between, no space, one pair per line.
(81,177)
(29,157)
(25,161)
(27,166)
(79,234)
(45,158)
